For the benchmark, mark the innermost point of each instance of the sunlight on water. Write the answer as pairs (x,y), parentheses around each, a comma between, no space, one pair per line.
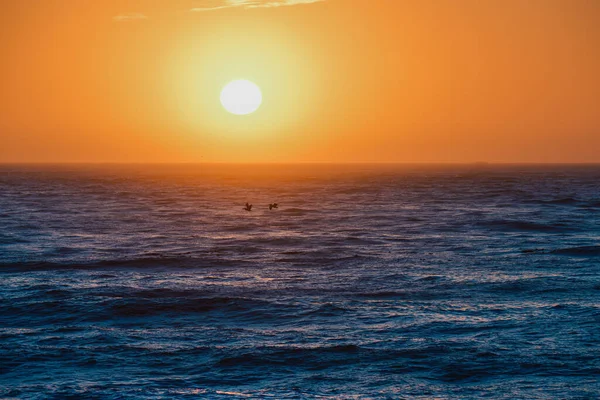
(411,281)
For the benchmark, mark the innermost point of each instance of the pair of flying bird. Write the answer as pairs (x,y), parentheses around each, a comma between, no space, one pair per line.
(271,206)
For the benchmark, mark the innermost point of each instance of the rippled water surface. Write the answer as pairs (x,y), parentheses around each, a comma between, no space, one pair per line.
(152,282)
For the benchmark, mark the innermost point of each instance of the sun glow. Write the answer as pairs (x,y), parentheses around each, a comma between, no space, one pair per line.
(198,98)
(241,97)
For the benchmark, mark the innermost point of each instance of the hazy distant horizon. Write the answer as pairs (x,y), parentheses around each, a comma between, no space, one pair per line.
(480,163)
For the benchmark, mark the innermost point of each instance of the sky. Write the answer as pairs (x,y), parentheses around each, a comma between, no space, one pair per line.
(343,81)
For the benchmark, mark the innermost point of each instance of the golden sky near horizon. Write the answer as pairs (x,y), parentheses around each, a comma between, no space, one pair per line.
(341,80)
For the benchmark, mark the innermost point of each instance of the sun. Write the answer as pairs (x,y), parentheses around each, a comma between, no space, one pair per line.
(241,97)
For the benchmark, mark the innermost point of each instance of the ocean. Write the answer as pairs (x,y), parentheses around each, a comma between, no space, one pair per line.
(367,282)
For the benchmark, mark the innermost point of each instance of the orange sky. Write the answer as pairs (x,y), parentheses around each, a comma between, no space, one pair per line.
(342,80)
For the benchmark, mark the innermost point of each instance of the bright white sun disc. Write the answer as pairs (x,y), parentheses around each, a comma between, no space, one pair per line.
(241,97)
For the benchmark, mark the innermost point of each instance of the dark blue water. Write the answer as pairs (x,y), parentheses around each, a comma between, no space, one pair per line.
(151,282)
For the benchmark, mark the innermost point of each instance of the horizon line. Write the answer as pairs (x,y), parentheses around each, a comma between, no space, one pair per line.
(477,163)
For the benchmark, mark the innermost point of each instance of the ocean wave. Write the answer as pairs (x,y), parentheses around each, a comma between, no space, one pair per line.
(327,310)
(12,239)
(233,306)
(526,226)
(143,262)
(561,201)
(409,294)
(297,211)
(582,251)
(289,242)
(322,357)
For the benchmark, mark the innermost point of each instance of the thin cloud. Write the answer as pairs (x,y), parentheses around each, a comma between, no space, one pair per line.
(252,4)
(130,17)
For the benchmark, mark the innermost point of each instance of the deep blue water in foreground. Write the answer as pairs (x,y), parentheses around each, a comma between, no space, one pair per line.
(151,282)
